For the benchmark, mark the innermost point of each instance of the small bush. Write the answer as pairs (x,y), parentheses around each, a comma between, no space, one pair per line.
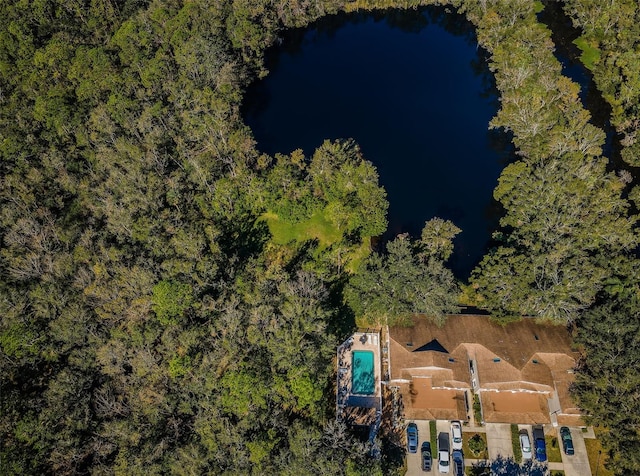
(170,300)
(433,435)
(477,444)
(477,409)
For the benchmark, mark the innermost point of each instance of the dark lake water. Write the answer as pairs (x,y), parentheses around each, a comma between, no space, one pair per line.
(412,88)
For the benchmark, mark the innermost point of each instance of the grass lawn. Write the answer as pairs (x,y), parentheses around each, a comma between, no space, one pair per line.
(556,472)
(357,256)
(553,449)
(317,227)
(433,437)
(320,228)
(515,442)
(466,436)
(593,446)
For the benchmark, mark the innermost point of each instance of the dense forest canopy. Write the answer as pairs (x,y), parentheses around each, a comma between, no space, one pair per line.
(171,299)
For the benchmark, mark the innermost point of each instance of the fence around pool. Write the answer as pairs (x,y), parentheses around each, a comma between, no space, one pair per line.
(358,380)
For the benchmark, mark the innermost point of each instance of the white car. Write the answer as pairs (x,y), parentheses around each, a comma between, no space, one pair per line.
(456,435)
(443,452)
(525,444)
(443,461)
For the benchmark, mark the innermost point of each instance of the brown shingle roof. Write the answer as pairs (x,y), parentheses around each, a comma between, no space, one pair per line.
(515,342)
(566,402)
(570,420)
(507,407)
(407,362)
(422,401)
(522,356)
(535,371)
(511,361)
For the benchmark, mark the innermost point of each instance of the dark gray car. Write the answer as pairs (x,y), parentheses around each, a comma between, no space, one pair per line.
(567,442)
(426,456)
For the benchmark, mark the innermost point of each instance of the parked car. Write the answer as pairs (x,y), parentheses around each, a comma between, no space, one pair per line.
(458,463)
(567,442)
(456,435)
(541,450)
(426,456)
(525,444)
(412,438)
(443,452)
(539,444)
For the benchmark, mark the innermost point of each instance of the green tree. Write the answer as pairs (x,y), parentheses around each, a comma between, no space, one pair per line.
(552,265)
(389,289)
(609,34)
(170,300)
(607,382)
(436,239)
(339,172)
(146,313)
(502,465)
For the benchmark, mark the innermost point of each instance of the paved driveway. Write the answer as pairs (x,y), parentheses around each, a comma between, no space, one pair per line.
(578,463)
(414,462)
(443,426)
(499,440)
(528,430)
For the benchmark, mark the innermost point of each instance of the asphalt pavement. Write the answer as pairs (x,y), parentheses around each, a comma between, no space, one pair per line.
(499,443)
(578,463)
(414,460)
(499,440)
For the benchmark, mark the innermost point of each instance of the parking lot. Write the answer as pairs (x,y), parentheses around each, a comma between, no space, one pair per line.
(414,466)
(498,437)
(578,463)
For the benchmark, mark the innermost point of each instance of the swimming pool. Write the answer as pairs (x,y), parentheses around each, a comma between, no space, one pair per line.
(362,376)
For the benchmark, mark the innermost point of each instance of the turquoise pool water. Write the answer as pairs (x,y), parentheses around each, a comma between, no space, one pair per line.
(362,377)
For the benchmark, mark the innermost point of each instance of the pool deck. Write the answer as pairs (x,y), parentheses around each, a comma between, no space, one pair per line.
(358,409)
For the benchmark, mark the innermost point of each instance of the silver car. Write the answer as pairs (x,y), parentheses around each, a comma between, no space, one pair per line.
(525,444)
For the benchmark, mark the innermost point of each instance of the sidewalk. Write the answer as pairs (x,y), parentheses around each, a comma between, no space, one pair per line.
(473,429)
